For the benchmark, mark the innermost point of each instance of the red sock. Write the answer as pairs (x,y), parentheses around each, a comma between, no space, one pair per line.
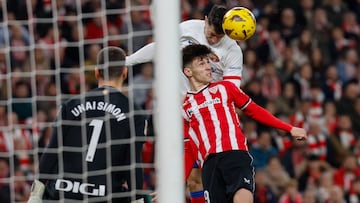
(197,197)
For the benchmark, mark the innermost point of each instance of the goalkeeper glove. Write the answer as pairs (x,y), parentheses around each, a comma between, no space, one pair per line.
(37,191)
(138,201)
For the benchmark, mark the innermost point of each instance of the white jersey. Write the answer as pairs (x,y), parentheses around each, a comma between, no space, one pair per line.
(226,63)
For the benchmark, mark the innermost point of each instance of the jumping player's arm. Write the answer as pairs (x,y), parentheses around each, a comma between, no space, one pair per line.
(261,115)
(143,55)
(147,53)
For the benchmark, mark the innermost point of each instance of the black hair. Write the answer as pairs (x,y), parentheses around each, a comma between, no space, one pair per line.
(215,18)
(111,61)
(190,52)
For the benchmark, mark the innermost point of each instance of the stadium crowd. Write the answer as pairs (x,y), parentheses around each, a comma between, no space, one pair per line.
(302,64)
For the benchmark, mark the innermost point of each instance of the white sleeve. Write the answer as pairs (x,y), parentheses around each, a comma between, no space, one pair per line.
(143,55)
(233,66)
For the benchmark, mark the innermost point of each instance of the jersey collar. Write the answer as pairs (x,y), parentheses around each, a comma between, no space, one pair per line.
(200,90)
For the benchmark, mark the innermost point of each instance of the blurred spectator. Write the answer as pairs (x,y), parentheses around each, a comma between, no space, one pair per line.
(311,176)
(287,103)
(310,196)
(301,117)
(137,29)
(335,10)
(47,44)
(341,141)
(347,173)
(287,71)
(302,48)
(303,78)
(320,28)
(262,150)
(289,28)
(263,192)
(142,83)
(317,99)
(317,141)
(4,181)
(349,95)
(91,61)
(21,187)
(38,62)
(350,26)
(270,82)
(21,105)
(253,89)
(347,65)
(338,44)
(3,114)
(331,85)
(19,40)
(336,195)
(325,185)
(72,81)
(330,117)
(355,116)
(276,175)
(353,196)
(294,160)
(251,66)
(95,28)
(249,128)
(318,64)
(291,194)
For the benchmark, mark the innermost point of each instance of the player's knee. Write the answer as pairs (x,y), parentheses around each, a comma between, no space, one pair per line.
(243,196)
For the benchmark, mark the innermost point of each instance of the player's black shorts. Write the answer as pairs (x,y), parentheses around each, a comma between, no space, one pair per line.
(226,172)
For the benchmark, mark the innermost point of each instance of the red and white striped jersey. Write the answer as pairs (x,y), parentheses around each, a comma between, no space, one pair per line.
(211,122)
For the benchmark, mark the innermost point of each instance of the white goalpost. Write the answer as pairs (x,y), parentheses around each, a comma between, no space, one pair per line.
(169,159)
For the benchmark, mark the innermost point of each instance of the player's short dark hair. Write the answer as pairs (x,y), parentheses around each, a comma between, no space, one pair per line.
(111,62)
(215,18)
(190,52)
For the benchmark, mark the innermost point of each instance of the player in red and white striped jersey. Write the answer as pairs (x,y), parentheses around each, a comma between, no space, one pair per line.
(226,64)
(212,130)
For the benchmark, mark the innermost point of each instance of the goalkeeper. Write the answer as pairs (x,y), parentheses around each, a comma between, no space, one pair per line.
(90,153)
(226,64)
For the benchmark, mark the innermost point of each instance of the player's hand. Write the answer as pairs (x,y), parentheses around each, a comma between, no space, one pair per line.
(298,133)
(37,191)
(154,197)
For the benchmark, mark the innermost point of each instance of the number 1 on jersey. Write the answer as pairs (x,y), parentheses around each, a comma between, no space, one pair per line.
(94,139)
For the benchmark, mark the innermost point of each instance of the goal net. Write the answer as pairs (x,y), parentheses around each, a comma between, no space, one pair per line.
(48,51)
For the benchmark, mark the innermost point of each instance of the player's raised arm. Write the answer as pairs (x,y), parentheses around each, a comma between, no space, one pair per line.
(143,55)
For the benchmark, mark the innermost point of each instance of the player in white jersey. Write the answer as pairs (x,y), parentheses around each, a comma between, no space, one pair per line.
(226,64)
(227,60)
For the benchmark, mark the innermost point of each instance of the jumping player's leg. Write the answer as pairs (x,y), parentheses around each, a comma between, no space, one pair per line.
(193,174)
(194,183)
(243,196)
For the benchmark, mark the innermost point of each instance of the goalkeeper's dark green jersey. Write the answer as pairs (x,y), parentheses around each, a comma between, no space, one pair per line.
(96,141)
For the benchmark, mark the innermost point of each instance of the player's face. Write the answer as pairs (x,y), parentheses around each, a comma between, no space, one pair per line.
(211,36)
(201,70)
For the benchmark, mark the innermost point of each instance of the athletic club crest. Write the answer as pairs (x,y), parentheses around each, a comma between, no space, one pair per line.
(213,90)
